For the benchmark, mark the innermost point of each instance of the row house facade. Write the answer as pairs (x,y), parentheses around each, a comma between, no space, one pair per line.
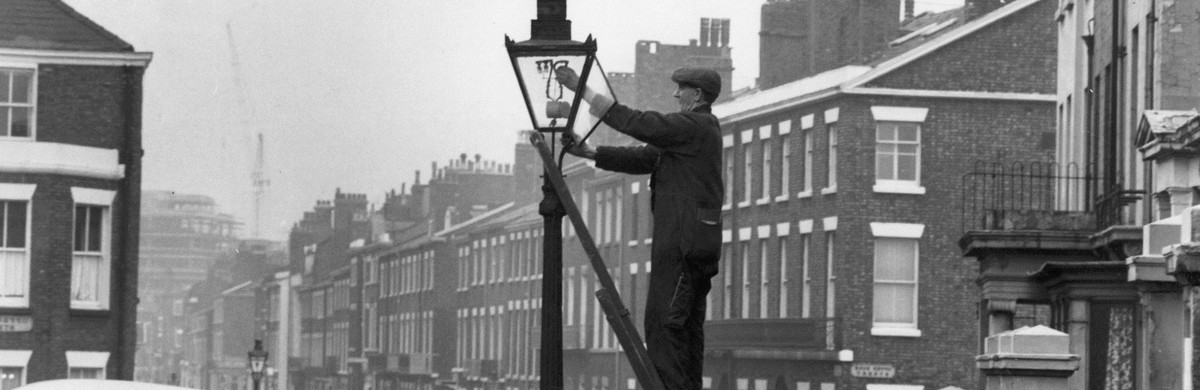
(841,189)
(70,186)
(1106,259)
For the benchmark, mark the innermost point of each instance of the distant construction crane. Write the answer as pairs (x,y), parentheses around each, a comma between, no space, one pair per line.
(258,178)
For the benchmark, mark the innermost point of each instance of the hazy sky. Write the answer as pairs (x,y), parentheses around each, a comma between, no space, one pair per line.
(359,94)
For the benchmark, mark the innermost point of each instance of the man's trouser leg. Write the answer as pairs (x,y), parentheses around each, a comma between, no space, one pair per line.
(675,306)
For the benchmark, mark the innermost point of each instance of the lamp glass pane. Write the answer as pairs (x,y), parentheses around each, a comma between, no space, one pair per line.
(589,115)
(549,100)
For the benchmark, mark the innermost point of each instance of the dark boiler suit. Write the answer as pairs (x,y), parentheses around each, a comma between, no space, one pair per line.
(683,156)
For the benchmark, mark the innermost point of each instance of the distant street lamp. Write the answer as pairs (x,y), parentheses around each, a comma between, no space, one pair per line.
(553,109)
(258,362)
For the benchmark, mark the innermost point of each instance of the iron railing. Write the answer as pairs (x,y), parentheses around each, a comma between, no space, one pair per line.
(1035,196)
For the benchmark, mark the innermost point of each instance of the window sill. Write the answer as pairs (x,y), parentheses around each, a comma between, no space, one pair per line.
(648,241)
(804,194)
(828,190)
(781,198)
(762,201)
(743,204)
(633,242)
(726,207)
(895,332)
(887,188)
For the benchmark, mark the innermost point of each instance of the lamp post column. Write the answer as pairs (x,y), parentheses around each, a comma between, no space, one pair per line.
(551,24)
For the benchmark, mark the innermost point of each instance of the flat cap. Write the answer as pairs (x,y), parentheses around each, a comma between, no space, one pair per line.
(706,79)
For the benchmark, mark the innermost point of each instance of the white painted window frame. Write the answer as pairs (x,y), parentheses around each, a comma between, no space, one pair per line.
(32,105)
(806,128)
(908,231)
(20,193)
(102,198)
(16,358)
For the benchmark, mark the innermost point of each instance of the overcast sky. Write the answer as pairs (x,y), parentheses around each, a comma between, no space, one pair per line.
(359,94)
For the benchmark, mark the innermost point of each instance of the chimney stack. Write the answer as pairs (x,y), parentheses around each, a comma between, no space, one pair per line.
(705,31)
(909,13)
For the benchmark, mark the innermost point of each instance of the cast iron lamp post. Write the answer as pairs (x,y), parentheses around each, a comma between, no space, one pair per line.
(258,362)
(552,109)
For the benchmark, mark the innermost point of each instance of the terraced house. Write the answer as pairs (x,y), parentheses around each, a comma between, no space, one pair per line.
(70,182)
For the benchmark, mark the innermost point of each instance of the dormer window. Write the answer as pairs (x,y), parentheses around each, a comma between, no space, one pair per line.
(16,103)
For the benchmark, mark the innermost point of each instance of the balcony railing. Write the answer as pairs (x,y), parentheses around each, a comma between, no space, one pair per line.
(816,334)
(1038,196)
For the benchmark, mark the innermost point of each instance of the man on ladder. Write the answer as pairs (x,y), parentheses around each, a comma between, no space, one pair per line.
(683,156)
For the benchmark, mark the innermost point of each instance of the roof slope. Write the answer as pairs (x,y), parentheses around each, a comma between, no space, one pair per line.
(53,25)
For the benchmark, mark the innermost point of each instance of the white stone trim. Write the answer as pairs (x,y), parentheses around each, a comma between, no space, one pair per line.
(829,223)
(727,141)
(829,190)
(785,127)
(897,230)
(633,268)
(804,194)
(764,132)
(898,187)
(899,114)
(846,355)
(13,191)
(783,229)
(60,159)
(647,269)
(806,122)
(975,95)
(832,114)
(85,58)
(87,359)
(764,231)
(762,201)
(743,234)
(747,136)
(633,242)
(92,196)
(805,226)
(886,331)
(726,236)
(635,187)
(15,358)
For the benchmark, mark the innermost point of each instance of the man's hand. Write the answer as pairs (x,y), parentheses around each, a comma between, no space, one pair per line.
(567,77)
(571,144)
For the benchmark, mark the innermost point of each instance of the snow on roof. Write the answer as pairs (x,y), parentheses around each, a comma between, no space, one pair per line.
(788,93)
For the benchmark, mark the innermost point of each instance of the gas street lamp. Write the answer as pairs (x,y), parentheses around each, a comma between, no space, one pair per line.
(258,362)
(554,108)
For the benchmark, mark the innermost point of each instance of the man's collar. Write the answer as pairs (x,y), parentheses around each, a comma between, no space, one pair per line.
(705,108)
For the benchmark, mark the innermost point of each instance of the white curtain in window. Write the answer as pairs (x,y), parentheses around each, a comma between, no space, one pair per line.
(85,275)
(13,274)
(895,280)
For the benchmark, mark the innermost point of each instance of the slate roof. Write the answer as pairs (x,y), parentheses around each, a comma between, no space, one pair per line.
(53,25)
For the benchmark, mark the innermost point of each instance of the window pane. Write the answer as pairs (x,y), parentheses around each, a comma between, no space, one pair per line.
(5,77)
(85,272)
(95,219)
(906,148)
(15,225)
(894,259)
(12,274)
(907,165)
(894,303)
(908,132)
(20,121)
(884,167)
(4,111)
(21,83)
(81,226)
(10,377)
(885,132)
(84,373)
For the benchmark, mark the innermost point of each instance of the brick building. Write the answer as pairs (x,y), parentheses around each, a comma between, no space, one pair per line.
(1102,260)
(182,236)
(70,183)
(839,269)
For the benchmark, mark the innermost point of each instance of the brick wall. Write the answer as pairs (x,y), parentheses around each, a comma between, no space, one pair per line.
(1016,54)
